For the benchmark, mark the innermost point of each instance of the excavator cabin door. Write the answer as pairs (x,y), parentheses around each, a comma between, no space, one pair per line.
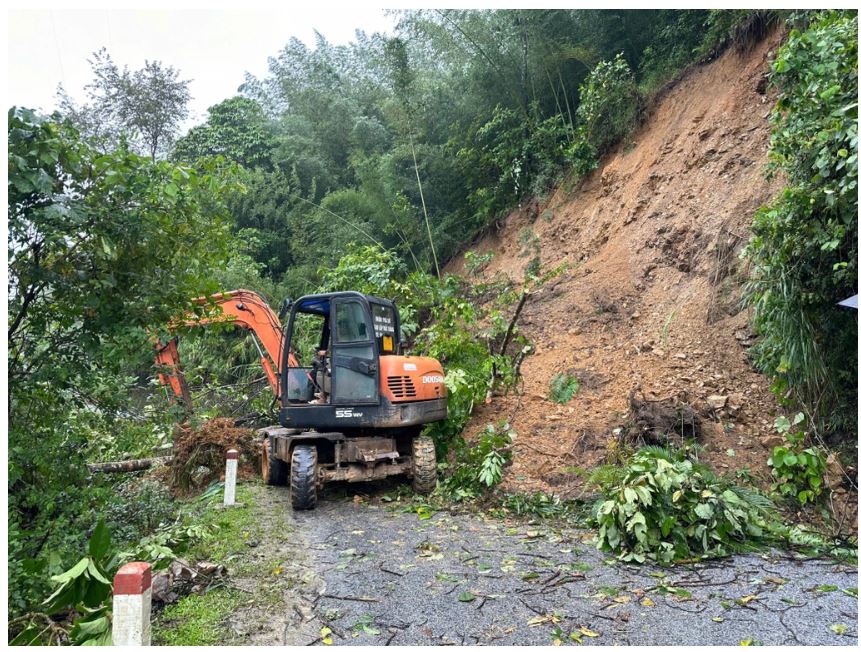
(354,358)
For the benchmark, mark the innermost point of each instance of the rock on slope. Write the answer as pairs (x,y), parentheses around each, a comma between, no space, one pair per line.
(649,304)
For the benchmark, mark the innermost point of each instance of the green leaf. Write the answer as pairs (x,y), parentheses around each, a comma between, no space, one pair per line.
(96,574)
(74,572)
(466,596)
(89,628)
(100,541)
(704,510)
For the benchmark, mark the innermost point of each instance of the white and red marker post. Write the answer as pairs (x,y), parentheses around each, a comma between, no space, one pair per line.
(132,605)
(230,477)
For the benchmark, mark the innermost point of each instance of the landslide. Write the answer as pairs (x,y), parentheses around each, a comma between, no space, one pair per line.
(647,317)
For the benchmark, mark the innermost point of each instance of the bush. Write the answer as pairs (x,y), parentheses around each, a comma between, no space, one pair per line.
(677,35)
(664,507)
(608,104)
(461,336)
(582,155)
(804,245)
(479,466)
(799,472)
(519,155)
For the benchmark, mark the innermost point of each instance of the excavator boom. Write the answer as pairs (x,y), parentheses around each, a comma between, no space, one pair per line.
(244,309)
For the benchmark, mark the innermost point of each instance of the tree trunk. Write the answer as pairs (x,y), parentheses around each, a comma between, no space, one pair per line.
(127,466)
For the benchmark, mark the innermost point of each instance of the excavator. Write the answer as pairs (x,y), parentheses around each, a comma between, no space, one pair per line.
(355,409)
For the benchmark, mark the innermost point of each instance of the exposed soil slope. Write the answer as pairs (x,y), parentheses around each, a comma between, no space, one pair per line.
(649,305)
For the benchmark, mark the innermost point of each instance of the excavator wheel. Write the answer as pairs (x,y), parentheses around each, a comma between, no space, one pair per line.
(424,465)
(303,477)
(273,470)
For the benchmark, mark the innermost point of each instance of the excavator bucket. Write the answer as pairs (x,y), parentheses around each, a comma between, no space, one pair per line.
(170,373)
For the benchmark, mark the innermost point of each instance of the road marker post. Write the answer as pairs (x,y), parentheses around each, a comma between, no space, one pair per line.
(132,605)
(230,477)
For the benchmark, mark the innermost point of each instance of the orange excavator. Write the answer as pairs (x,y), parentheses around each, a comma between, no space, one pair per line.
(354,412)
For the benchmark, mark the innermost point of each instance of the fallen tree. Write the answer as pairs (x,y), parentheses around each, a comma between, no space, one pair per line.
(127,466)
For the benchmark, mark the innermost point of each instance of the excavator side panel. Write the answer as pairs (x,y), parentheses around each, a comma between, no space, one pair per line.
(407,378)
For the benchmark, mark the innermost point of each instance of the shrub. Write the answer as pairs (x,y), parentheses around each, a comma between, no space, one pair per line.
(666,507)
(608,104)
(804,245)
(799,472)
(475,262)
(479,466)
(582,155)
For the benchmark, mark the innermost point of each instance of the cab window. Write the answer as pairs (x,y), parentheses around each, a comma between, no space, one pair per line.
(351,324)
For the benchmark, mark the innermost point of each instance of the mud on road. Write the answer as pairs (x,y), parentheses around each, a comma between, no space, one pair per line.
(358,570)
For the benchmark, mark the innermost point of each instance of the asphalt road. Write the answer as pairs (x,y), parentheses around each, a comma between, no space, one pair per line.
(384,576)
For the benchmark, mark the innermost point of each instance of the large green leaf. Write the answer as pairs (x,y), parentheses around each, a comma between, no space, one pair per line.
(100,541)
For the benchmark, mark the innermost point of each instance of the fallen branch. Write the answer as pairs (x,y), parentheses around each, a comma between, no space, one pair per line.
(494,374)
(350,597)
(127,466)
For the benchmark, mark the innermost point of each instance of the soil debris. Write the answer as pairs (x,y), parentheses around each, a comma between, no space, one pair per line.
(650,300)
(662,422)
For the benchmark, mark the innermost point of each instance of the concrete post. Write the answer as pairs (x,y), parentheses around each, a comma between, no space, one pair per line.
(230,477)
(132,605)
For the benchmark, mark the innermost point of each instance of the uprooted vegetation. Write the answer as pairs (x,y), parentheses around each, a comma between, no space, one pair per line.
(199,453)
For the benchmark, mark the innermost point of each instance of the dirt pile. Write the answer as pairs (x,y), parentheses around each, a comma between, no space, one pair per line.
(199,454)
(648,309)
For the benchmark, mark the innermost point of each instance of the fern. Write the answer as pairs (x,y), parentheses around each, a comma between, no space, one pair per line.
(563,388)
(606,475)
(753,498)
(662,453)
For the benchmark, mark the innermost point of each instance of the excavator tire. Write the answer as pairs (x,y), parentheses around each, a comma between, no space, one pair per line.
(303,477)
(273,470)
(424,465)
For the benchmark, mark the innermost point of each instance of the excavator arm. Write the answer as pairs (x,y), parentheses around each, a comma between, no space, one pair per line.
(241,308)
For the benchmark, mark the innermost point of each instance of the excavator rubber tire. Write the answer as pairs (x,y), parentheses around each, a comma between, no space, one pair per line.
(273,470)
(303,477)
(424,465)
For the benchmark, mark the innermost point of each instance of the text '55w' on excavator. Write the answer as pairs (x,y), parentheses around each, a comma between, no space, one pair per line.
(355,409)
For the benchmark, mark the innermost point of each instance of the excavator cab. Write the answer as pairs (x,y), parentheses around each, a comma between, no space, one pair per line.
(355,378)
(354,330)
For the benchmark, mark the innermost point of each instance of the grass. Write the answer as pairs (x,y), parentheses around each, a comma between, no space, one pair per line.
(234,528)
(665,331)
(197,619)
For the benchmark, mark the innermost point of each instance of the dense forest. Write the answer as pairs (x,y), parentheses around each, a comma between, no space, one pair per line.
(369,166)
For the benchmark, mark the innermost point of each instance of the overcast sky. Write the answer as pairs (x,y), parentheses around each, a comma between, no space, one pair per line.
(214,48)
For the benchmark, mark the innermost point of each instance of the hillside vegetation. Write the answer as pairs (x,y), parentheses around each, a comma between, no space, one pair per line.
(662,211)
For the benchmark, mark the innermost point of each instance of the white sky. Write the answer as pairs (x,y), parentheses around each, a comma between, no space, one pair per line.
(212,47)
(208,41)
